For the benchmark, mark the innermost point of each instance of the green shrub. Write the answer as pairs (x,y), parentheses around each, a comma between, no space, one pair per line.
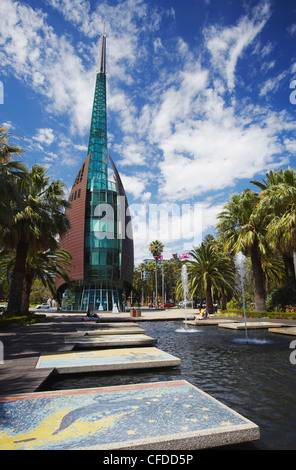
(281,297)
(253,314)
(21,320)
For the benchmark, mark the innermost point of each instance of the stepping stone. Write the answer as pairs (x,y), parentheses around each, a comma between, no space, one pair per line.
(106,360)
(114,331)
(250,325)
(158,415)
(208,321)
(126,324)
(99,326)
(110,340)
(284,330)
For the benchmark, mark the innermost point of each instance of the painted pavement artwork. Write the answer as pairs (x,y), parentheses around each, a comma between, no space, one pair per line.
(284,331)
(110,416)
(110,359)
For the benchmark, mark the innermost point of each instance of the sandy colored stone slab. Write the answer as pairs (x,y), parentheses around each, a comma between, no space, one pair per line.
(170,415)
(99,325)
(110,340)
(250,325)
(116,331)
(106,360)
(284,330)
(208,321)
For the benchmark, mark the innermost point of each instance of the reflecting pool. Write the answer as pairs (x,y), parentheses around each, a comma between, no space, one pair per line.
(255,379)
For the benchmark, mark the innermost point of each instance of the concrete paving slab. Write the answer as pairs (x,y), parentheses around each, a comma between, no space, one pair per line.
(173,415)
(284,330)
(208,322)
(107,360)
(114,331)
(104,341)
(250,325)
(127,324)
(100,326)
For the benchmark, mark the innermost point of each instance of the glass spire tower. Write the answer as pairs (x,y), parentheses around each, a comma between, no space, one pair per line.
(102,259)
(97,145)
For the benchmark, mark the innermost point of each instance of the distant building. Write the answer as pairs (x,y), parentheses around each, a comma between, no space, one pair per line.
(102,251)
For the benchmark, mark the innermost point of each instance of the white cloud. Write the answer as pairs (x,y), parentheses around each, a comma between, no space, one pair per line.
(81,147)
(219,157)
(133,152)
(177,103)
(227,45)
(133,185)
(52,157)
(292,29)
(46,62)
(272,84)
(290,145)
(45,136)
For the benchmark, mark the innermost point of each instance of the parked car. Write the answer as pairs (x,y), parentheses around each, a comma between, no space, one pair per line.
(45,305)
(168,305)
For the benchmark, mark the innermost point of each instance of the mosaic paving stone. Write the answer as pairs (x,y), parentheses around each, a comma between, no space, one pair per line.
(284,331)
(126,324)
(110,340)
(209,321)
(109,359)
(173,415)
(250,325)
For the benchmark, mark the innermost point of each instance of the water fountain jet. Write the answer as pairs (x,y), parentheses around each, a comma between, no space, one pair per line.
(240,263)
(184,278)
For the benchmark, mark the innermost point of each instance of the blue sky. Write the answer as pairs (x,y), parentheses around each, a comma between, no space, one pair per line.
(199,95)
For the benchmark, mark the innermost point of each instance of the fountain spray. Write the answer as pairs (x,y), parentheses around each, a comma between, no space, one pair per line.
(240,262)
(184,277)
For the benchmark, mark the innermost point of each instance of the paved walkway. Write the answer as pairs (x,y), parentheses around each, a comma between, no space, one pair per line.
(23,346)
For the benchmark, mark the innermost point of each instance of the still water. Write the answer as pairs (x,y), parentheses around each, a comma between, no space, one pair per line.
(256,379)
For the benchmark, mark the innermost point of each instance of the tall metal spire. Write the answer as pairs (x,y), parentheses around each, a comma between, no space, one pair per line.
(102,57)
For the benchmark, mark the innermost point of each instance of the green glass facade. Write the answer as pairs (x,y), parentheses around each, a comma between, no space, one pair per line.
(102,246)
(97,177)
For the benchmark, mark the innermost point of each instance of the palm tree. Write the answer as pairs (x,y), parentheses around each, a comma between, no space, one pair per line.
(278,206)
(226,289)
(156,248)
(10,172)
(37,219)
(274,272)
(241,229)
(44,265)
(209,270)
